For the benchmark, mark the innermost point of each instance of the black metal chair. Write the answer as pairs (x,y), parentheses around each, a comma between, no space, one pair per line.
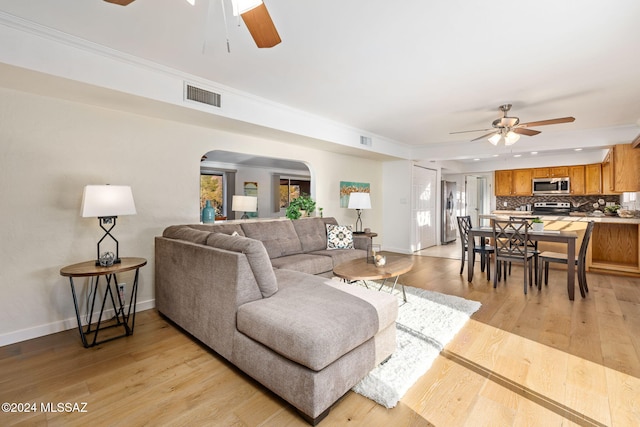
(485,251)
(510,239)
(547,257)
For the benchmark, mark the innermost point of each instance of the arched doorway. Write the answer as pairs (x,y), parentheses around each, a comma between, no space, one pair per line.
(273,180)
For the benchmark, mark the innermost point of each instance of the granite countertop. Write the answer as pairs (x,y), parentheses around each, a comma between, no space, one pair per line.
(574,217)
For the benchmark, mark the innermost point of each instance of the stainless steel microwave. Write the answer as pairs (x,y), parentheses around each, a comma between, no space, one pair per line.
(551,185)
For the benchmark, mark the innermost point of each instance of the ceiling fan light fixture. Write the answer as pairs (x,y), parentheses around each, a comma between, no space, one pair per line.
(495,139)
(242,6)
(510,122)
(511,138)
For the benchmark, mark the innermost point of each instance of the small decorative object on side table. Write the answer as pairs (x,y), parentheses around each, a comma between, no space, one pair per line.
(123,319)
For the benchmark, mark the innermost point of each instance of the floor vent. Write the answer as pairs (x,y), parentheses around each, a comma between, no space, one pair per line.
(203,96)
(366,140)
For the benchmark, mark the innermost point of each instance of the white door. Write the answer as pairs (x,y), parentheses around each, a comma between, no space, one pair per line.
(471,195)
(424,208)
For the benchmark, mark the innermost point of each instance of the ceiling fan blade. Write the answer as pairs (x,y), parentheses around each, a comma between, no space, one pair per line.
(548,122)
(524,131)
(485,136)
(261,26)
(120,2)
(467,131)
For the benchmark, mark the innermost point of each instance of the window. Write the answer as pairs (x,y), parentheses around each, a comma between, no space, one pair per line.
(212,188)
(291,188)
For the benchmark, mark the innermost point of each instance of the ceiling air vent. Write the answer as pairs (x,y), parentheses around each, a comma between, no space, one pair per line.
(366,140)
(203,96)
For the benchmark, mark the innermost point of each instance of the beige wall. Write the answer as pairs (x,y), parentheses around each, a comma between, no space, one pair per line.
(50,149)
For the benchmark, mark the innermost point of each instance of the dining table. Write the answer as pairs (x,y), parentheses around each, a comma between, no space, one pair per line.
(567,237)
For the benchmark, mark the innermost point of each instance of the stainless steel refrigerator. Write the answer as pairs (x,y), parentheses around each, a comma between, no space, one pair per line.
(449,222)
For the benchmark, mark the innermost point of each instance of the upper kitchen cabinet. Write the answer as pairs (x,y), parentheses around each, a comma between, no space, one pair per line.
(593,178)
(522,182)
(551,172)
(624,172)
(577,183)
(621,169)
(503,182)
(515,182)
(540,173)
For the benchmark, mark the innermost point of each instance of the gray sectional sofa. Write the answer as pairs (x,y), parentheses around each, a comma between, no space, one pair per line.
(256,294)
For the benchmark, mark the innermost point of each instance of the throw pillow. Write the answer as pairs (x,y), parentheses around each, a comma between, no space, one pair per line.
(339,237)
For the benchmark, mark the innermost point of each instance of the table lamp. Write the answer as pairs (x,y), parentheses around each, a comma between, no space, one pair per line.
(359,201)
(244,204)
(106,202)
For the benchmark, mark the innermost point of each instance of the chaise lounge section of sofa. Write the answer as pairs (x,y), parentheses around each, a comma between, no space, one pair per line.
(307,338)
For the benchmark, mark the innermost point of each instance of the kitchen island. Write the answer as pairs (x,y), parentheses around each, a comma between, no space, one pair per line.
(615,243)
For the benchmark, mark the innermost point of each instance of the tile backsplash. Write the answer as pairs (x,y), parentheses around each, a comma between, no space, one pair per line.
(578,203)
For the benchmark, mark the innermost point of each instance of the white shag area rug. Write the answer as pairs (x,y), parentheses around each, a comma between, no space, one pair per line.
(425,324)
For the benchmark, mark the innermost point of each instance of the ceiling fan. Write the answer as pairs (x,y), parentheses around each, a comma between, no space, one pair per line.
(255,15)
(509,129)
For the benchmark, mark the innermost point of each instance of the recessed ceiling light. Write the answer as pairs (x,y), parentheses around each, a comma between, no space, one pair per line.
(577,149)
(517,155)
(495,155)
(475,160)
(534,152)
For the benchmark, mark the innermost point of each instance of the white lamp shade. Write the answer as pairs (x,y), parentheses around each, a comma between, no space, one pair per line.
(511,138)
(359,201)
(107,201)
(244,204)
(495,139)
(242,6)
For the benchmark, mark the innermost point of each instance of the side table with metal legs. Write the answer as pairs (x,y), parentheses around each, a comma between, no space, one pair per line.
(124,317)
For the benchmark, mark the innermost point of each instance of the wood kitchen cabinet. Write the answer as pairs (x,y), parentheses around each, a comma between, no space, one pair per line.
(559,171)
(619,172)
(593,178)
(577,180)
(540,173)
(624,168)
(503,182)
(551,172)
(515,182)
(522,182)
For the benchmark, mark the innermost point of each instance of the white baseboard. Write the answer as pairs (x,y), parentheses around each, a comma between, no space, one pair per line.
(61,325)
(397,250)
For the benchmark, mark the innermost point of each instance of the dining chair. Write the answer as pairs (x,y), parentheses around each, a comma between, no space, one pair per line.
(533,245)
(510,239)
(548,257)
(485,251)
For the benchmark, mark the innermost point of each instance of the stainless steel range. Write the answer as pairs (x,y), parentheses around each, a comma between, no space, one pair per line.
(551,208)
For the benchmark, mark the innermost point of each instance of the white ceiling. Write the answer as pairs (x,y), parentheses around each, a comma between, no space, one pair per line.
(411,71)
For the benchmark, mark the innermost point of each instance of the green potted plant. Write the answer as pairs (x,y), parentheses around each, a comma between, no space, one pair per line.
(293,210)
(537,224)
(297,206)
(611,210)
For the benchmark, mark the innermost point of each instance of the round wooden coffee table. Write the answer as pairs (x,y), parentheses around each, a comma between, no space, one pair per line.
(359,269)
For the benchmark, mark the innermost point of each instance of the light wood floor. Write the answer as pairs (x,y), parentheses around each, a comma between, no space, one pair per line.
(537,360)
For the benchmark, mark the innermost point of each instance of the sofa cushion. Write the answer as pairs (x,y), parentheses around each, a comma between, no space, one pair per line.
(307,321)
(306,263)
(183,232)
(256,255)
(339,237)
(312,234)
(338,256)
(220,227)
(278,237)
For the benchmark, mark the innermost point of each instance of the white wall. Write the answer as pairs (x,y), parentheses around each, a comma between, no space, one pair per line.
(397,206)
(52,148)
